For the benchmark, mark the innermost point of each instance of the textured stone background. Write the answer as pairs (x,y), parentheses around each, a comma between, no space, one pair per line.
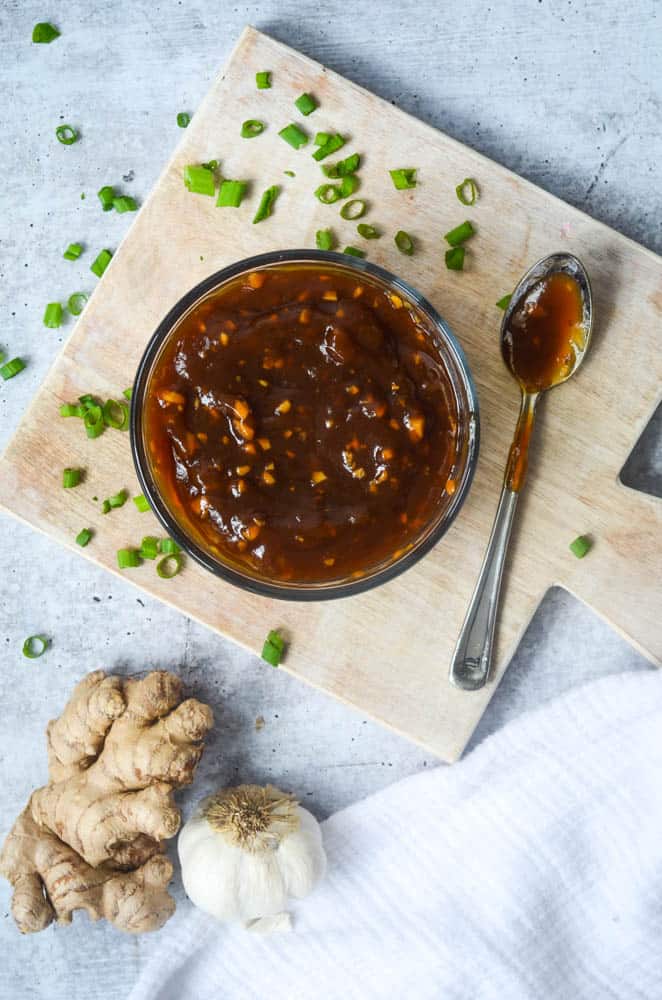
(567,93)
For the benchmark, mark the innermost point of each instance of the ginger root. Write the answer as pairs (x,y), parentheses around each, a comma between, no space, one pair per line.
(93,837)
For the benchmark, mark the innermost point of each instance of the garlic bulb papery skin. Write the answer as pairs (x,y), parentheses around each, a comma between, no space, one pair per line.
(247,850)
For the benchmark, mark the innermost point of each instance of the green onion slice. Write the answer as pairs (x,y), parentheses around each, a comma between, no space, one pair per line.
(116,414)
(581,545)
(274,646)
(354,209)
(265,208)
(211,165)
(460,234)
(101,262)
(128,393)
(83,537)
(199,180)
(306,104)
(328,193)
(230,194)
(467,192)
(53,315)
(73,251)
(149,547)
(251,128)
(404,242)
(503,303)
(169,547)
(128,558)
(125,203)
(333,143)
(76,303)
(354,251)
(93,421)
(70,478)
(44,33)
(344,167)
(105,196)
(455,258)
(367,232)
(293,135)
(35,646)
(169,566)
(118,500)
(263,80)
(87,400)
(12,368)
(183,119)
(289,173)
(142,503)
(70,410)
(321,138)
(324,239)
(404,178)
(348,185)
(66,134)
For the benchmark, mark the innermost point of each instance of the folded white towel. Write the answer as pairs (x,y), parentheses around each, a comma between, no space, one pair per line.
(532,869)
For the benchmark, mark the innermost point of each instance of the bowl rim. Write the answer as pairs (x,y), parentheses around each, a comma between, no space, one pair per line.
(266,588)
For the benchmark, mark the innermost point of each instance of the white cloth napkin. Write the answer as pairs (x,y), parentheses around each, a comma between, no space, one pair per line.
(531,869)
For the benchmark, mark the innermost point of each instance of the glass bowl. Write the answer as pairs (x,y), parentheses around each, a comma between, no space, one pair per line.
(467,436)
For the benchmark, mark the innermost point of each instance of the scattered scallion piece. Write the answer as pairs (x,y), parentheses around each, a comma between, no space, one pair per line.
(306,104)
(128,558)
(169,566)
(53,315)
(142,503)
(367,232)
(333,143)
(580,546)
(343,167)
(324,239)
(35,646)
(266,205)
(105,196)
(76,303)
(263,80)
(87,400)
(93,421)
(289,173)
(274,646)
(70,410)
(116,414)
(118,500)
(354,209)
(73,251)
(503,303)
(12,368)
(183,119)
(211,165)
(70,478)
(169,547)
(404,178)
(199,180)
(101,262)
(44,33)
(125,203)
(128,393)
(455,258)
(66,134)
(354,251)
(149,547)
(83,537)
(321,138)
(293,135)
(467,191)
(404,242)
(328,193)
(252,127)
(348,185)
(230,194)
(460,234)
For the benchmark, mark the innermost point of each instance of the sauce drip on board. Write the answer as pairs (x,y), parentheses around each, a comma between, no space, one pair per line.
(540,346)
(302,425)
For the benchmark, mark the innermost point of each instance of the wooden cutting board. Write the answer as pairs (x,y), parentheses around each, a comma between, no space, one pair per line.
(386,651)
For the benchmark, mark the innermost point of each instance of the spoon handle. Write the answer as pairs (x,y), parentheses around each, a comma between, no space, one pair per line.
(472,658)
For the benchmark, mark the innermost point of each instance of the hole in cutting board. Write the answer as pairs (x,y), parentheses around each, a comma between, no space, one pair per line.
(643,468)
(566,645)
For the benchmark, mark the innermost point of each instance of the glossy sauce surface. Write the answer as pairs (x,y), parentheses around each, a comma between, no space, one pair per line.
(302,425)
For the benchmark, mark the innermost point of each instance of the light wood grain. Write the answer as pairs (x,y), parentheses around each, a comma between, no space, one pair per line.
(386,651)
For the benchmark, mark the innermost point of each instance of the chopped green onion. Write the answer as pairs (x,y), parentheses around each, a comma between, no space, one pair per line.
(251,128)
(199,180)
(328,193)
(128,558)
(263,80)
(116,414)
(289,173)
(70,410)
(467,191)
(344,167)
(211,165)
(128,393)
(503,303)
(265,207)
(169,547)
(142,503)
(404,242)
(53,315)
(149,547)
(367,232)
(321,138)
(183,119)
(44,33)
(354,209)
(76,303)
(231,193)
(105,196)
(73,251)
(12,368)
(293,135)
(125,203)
(118,500)
(87,401)
(35,646)
(404,178)
(461,233)
(169,566)
(455,258)
(306,103)
(93,421)
(354,251)
(333,143)
(83,537)
(101,262)
(580,546)
(324,239)
(71,478)
(66,134)
(348,185)
(274,646)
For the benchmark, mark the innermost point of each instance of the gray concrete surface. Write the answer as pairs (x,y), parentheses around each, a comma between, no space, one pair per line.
(567,93)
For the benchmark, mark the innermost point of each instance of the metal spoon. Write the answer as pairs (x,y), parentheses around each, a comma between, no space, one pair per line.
(471,663)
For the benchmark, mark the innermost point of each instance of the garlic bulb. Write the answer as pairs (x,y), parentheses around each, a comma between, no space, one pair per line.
(246,850)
